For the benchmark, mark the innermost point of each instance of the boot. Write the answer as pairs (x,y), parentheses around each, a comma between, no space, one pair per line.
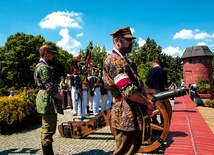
(47,150)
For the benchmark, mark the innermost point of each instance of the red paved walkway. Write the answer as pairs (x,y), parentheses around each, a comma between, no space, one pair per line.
(189,134)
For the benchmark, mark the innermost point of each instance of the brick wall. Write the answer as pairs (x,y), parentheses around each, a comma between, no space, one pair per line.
(197,67)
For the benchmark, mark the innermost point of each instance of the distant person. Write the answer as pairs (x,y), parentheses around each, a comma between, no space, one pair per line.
(68,82)
(64,90)
(76,90)
(48,101)
(156,77)
(95,84)
(26,91)
(11,94)
(104,96)
(183,83)
(171,87)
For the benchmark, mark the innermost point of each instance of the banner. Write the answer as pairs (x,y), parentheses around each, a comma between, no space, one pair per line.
(89,59)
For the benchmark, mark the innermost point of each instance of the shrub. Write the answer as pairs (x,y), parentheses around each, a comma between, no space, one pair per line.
(16,108)
(203,85)
(209,103)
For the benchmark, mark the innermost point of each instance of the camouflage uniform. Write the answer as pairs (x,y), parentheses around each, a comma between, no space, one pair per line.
(126,116)
(46,104)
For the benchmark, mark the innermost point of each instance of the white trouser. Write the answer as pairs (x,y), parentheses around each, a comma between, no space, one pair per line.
(96,100)
(73,94)
(90,101)
(82,110)
(109,102)
(88,96)
(103,102)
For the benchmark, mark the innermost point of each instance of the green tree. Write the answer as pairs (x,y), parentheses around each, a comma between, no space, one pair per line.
(149,51)
(19,56)
(99,54)
(143,56)
(174,69)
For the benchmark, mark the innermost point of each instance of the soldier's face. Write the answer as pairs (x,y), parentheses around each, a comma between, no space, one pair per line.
(125,44)
(49,56)
(76,71)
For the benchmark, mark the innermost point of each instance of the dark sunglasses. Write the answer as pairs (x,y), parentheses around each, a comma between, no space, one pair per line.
(50,52)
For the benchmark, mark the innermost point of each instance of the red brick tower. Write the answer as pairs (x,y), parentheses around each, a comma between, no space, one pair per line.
(197,63)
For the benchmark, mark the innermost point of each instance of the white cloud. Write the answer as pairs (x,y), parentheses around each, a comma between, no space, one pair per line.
(206,38)
(202,44)
(193,34)
(212,45)
(132,30)
(79,35)
(173,51)
(61,19)
(202,35)
(109,52)
(184,34)
(68,43)
(141,42)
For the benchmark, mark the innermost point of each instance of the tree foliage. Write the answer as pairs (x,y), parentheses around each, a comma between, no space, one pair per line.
(99,54)
(19,56)
(144,55)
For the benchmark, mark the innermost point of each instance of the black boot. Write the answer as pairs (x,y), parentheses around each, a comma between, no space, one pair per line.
(47,150)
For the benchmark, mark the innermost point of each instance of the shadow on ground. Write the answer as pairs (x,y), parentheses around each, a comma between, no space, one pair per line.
(95,152)
(18,151)
(174,134)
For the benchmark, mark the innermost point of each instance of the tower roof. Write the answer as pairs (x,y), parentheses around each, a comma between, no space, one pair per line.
(197,51)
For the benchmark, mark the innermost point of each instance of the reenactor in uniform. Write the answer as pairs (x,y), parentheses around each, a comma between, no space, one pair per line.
(90,98)
(95,91)
(82,108)
(76,89)
(68,82)
(64,90)
(122,79)
(49,100)
(104,96)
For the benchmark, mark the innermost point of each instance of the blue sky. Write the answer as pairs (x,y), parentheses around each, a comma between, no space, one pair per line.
(71,24)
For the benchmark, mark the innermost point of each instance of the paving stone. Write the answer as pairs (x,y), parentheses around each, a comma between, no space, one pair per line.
(101,142)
